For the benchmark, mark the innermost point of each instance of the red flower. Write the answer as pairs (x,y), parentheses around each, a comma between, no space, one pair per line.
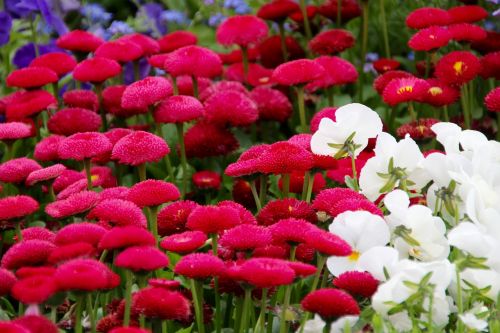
(45,174)
(278,210)
(194,61)
(7,280)
(490,44)
(172,219)
(17,206)
(246,237)
(492,100)
(138,148)
(222,86)
(245,216)
(297,182)
(185,242)
(39,233)
(118,212)
(80,232)
(330,303)
(338,72)
(256,76)
(86,99)
(71,251)
(76,203)
(247,163)
(155,302)
(179,109)
(490,64)
(16,170)
(298,72)
(141,258)
(84,275)
(14,131)
(164,283)
(34,290)
(207,140)
(383,80)
(343,167)
(199,266)
(264,272)
(277,10)
(271,54)
(117,192)
(405,90)
(328,112)
(27,253)
(148,45)
(426,17)
(349,9)
(418,130)
(10,327)
(327,243)
(219,109)
(153,192)
(177,39)
(236,56)
(272,104)
(96,70)
(31,77)
(74,120)
(61,63)
(207,180)
(28,271)
(145,93)
(122,237)
(457,67)
(284,157)
(440,94)
(212,219)
(291,230)
(430,38)
(357,283)
(467,14)
(126,329)
(332,42)
(326,198)
(280,251)
(46,149)
(112,102)
(28,103)
(82,146)
(242,30)
(67,178)
(185,85)
(466,32)
(79,41)
(384,65)
(36,324)
(301,269)
(119,50)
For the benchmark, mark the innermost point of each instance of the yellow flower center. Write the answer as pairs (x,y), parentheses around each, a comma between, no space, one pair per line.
(354,256)
(290,208)
(459,67)
(93,178)
(405,89)
(436,91)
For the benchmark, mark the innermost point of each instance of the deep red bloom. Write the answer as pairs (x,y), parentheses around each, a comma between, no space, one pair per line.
(457,67)
(298,72)
(185,85)
(284,157)
(39,233)
(147,44)
(36,324)
(405,90)
(177,39)
(80,232)
(71,251)
(17,206)
(74,120)
(245,216)
(28,103)
(278,210)
(466,32)
(246,237)
(82,146)
(118,212)
(164,283)
(248,162)
(426,17)
(16,170)
(7,280)
(67,178)
(86,99)
(117,192)
(242,30)
(96,70)
(291,231)
(272,104)
(328,112)
(84,275)
(27,253)
(207,140)
(76,203)
(45,174)
(330,303)
(119,50)
(145,93)
(212,219)
(332,42)
(47,149)
(112,102)
(302,269)
(153,192)
(179,109)
(34,290)
(277,10)
(383,80)
(490,44)
(492,100)
(265,272)
(207,180)
(31,77)
(139,147)
(121,237)
(61,63)
(257,75)
(219,109)
(141,258)
(343,167)
(79,41)
(383,65)
(28,271)
(10,327)
(193,61)
(337,72)
(271,54)
(440,94)
(156,302)
(467,14)
(199,266)
(357,283)
(326,198)
(327,243)
(490,64)
(320,161)
(349,9)
(14,131)
(418,130)
(236,56)
(185,242)
(222,86)
(430,38)
(173,218)
(280,251)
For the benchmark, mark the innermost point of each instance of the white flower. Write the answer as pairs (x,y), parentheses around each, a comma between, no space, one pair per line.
(351,118)
(474,319)
(362,230)
(482,278)
(317,325)
(393,162)
(377,259)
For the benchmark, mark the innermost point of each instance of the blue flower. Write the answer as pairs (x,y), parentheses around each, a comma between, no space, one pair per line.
(120,28)
(96,14)
(239,6)
(26,53)
(23,8)
(151,12)
(216,19)
(5,26)
(128,70)
(175,16)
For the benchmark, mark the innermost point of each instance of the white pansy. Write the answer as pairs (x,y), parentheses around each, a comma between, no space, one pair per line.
(362,230)
(474,319)
(351,118)
(377,259)
(339,325)
(481,278)
(317,324)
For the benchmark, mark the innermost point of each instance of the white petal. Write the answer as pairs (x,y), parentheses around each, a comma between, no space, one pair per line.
(375,259)
(339,265)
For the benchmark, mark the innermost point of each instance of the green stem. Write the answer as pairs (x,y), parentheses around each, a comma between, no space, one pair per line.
(262,189)
(309,190)
(385,31)
(18,232)
(180,135)
(168,164)
(354,172)
(460,306)
(141,170)
(218,309)
(255,195)
(284,49)
(286,184)
(78,314)
(175,87)
(164,326)
(153,214)
(411,110)
(284,310)
(90,313)
(464,98)
(329,96)
(55,89)
(302,108)
(238,314)
(260,325)
(34,36)
(319,268)
(198,305)
(246,310)
(128,297)
(339,13)
(445,112)
(86,166)
(195,86)
(307,26)
(305,186)
(137,70)
(98,90)
(244,56)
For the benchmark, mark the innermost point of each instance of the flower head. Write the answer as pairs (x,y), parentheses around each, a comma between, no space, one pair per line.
(80,232)
(332,42)
(207,140)
(405,90)
(27,253)
(17,170)
(139,147)
(277,10)
(76,203)
(85,275)
(82,146)
(28,103)
(284,157)
(467,14)
(141,258)
(357,283)
(61,63)
(118,212)
(330,303)
(430,38)
(31,77)
(265,272)
(426,17)
(74,120)
(119,50)
(17,206)
(7,280)
(272,104)
(241,30)
(281,209)
(179,109)
(153,192)
(145,93)
(492,100)
(219,109)
(212,219)
(207,180)
(34,290)
(338,72)
(96,70)
(457,68)
(298,72)
(440,94)
(79,41)
(177,39)
(199,266)
(157,302)
(185,242)
(172,219)
(194,61)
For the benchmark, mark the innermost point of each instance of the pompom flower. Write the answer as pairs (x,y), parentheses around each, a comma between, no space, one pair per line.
(332,42)
(199,266)
(82,146)
(79,41)
(327,112)
(86,99)
(271,54)
(141,258)
(327,243)
(45,174)
(426,17)
(272,104)
(219,109)
(29,103)
(47,149)
(492,100)
(31,77)
(34,289)
(284,157)
(337,72)
(297,72)
(172,219)
(208,140)
(265,272)
(467,14)
(207,180)
(349,9)
(61,63)
(277,10)
(282,209)
(384,65)
(185,242)
(96,70)
(17,206)
(76,203)
(430,38)
(27,253)
(14,131)
(212,219)
(80,232)
(153,192)
(246,237)
(84,275)
(7,280)
(466,32)
(330,303)
(405,90)
(457,68)
(194,61)
(357,283)
(177,39)
(179,109)
(418,130)
(292,231)
(74,120)
(71,251)
(36,324)
(145,93)
(16,170)
(138,148)
(242,30)
(157,302)
(121,237)
(119,50)
(118,212)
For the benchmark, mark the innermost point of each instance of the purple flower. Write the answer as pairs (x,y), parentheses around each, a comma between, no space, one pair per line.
(128,70)
(5,26)
(23,8)
(25,54)
(152,12)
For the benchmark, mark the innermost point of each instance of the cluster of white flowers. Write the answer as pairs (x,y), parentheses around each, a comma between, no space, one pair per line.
(439,258)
